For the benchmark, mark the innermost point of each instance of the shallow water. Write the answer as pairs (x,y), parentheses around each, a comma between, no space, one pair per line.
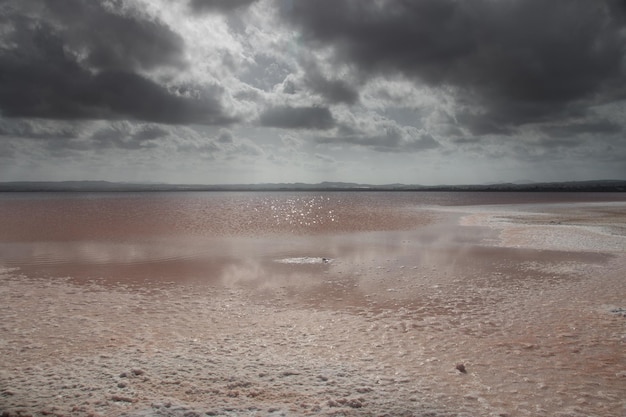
(151,237)
(399,286)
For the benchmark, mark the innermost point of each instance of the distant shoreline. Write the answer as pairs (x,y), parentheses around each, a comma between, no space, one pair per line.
(104,186)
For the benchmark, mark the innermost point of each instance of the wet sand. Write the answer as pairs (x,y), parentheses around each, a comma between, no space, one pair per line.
(529,298)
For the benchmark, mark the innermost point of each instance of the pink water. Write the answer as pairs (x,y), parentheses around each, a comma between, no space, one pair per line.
(179,236)
(519,287)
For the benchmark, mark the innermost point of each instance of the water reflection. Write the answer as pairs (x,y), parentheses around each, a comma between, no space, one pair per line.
(346,269)
(237,239)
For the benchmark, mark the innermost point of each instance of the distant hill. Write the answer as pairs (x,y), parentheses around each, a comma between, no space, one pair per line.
(105,186)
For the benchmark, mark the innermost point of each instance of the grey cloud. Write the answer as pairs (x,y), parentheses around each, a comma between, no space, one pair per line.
(124,135)
(601,126)
(467,140)
(325,158)
(387,137)
(248,94)
(7,150)
(265,72)
(109,35)
(480,124)
(42,74)
(150,132)
(246,148)
(135,96)
(225,145)
(289,86)
(225,136)
(520,60)
(554,143)
(333,90)
(291,142)
(423,142)
(37,129)
(218,5)
(298,117)
(206,149)
(47,91)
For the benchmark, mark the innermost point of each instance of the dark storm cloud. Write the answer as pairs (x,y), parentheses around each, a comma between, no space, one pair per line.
(479,124)
(107,35)
(518,60)
(218,5)
(298,118)
(63,90)
(333,90)
(83,62)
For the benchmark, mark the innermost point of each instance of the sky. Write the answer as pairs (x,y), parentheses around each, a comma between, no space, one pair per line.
(281,91)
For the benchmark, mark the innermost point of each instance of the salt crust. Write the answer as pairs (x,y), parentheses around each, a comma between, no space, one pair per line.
(533,336)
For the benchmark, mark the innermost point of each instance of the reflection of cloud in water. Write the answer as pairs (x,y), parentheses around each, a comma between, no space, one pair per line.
(265,275)
(271,260)
(242,272)
(103,252)
(296,262)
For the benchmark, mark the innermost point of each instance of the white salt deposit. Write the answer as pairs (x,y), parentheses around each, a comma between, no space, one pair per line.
(532,310)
